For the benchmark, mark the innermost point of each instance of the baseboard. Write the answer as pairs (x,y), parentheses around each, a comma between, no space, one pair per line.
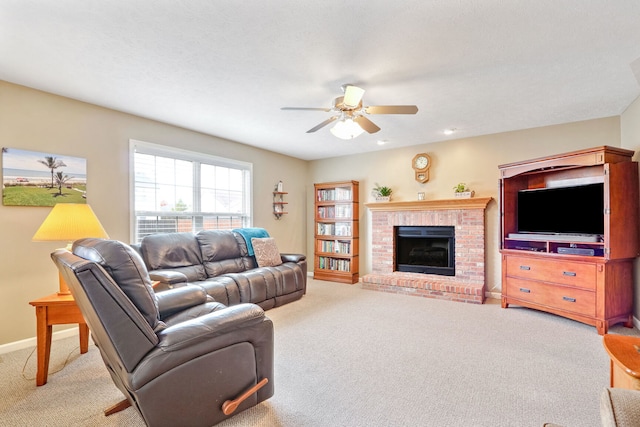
(31,342)
(493,295)
(636,322)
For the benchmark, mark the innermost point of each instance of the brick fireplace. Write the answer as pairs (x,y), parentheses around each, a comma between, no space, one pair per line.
(467,216)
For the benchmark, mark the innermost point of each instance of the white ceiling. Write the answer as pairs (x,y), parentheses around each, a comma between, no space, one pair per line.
(225,67)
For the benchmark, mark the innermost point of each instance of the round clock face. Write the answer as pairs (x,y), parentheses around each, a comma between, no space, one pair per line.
(421,162)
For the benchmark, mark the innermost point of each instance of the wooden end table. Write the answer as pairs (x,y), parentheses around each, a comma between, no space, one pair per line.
(55,310)
(625,360)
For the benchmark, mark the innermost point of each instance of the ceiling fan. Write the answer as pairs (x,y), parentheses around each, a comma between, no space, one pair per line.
(351,120)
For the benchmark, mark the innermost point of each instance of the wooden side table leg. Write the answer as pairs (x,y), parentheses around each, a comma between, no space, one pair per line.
(43,339)
(84,337)
(610,372)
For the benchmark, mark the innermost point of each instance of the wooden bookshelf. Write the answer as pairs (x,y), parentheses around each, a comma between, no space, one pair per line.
(336,242)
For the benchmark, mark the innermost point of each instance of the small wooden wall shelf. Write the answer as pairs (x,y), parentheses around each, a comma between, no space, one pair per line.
(279,204)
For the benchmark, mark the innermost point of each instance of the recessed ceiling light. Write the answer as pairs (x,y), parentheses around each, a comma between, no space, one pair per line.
(449,131)
(382,141)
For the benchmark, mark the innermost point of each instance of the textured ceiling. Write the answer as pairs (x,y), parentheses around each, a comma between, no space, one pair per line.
(225,68)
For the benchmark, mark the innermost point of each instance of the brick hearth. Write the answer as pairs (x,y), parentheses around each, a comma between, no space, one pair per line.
(466,215)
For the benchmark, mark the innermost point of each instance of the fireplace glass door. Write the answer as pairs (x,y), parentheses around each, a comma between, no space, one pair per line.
(425,249)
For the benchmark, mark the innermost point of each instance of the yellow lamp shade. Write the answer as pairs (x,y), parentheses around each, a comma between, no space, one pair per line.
(68,222)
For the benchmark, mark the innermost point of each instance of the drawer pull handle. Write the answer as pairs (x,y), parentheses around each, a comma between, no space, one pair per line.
(569,273)
(525,267)
(525,290)
(569,299)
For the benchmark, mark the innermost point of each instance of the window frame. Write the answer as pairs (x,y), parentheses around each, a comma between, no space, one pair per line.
(181,154)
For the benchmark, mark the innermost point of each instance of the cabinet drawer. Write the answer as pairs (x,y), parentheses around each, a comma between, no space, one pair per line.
(569,299)
(576,274)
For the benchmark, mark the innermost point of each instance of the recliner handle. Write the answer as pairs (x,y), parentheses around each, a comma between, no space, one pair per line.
(229,406)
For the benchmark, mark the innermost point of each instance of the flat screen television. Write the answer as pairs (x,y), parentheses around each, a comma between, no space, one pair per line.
(565,210)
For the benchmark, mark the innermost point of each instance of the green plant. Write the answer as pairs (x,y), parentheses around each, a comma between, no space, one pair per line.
(382,191)
(460,188)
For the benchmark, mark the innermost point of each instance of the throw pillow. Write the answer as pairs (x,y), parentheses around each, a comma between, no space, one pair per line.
(266,252)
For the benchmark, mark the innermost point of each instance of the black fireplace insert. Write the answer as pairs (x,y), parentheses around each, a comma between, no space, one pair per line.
(425,249)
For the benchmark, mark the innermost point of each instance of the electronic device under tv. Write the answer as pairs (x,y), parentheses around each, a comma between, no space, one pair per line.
(567,213)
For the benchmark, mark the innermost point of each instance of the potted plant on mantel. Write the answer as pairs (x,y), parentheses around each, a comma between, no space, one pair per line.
(461,191)
(382,193)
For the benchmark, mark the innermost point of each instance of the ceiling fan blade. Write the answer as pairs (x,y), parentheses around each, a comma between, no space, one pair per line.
(323,124)
(305,108)
(391,109)
(352,96)
(366,124)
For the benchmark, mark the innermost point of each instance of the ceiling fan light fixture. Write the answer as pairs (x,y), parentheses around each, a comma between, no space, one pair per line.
(349,114)
(352,96)
(346,129)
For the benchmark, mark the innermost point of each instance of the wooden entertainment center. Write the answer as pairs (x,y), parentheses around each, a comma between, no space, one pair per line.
(588,278)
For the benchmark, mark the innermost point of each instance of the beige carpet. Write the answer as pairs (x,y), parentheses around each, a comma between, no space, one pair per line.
(352,357)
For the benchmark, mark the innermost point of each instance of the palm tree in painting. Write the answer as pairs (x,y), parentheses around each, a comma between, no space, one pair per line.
(61,179)
(52,163)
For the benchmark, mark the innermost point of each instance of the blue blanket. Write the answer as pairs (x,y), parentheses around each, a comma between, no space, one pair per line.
(248,233)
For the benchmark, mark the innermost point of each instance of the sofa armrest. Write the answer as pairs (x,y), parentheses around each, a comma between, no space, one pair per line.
(292,257)
(167,277)
(175,300)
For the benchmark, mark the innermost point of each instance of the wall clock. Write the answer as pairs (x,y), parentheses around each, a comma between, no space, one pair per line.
(421,164)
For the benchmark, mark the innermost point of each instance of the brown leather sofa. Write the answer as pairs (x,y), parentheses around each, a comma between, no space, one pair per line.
(220,262)
(178,357)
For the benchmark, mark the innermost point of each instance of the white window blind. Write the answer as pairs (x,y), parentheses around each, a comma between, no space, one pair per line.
(177,190)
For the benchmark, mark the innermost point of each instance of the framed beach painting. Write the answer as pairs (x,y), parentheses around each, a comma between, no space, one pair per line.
(31,178)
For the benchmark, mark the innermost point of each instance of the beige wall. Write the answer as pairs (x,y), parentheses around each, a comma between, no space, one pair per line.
(37,121)
(630,137)
(473,161)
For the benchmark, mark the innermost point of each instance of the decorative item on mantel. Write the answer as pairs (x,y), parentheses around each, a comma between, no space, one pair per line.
(381,193)
(278,200)
(461,191)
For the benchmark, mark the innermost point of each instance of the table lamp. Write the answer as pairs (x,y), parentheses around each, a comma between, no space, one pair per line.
(68,222)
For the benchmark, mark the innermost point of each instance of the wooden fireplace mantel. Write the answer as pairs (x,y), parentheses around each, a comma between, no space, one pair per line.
(431,205)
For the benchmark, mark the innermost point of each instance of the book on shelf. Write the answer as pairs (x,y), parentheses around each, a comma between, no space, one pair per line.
(327,212)
(335,246)
(337,229)
(328,263)
(342,211)
(334,194)
(343,229)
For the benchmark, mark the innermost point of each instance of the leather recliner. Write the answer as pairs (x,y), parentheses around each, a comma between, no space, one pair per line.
(178,357)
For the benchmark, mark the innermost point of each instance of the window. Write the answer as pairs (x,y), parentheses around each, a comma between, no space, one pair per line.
(177,190)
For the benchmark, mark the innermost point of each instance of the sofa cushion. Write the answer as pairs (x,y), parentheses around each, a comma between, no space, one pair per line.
(179,252)
(222,289)
(221,252)
(266,252)
(127,269)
